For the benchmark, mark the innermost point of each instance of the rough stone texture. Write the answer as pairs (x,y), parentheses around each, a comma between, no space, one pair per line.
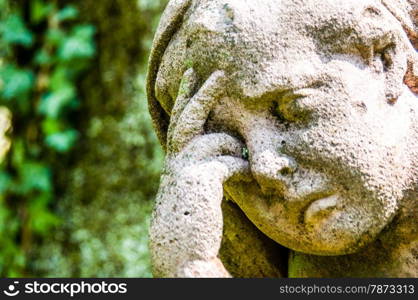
(321,95)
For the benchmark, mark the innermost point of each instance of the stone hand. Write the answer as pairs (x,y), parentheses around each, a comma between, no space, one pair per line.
(186,227)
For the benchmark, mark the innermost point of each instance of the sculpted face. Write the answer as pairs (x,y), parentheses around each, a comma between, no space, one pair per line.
(311,94)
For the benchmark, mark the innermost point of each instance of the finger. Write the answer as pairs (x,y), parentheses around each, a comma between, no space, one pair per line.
(186,89)
(237,168)
(193,117)
(212,145)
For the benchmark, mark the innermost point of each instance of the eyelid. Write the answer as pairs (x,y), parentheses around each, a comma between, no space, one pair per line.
(366,52)
(378,48)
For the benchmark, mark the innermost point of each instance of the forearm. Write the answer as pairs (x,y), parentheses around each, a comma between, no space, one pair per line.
(186,228)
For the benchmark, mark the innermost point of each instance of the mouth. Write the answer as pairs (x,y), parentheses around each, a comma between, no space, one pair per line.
(319,209)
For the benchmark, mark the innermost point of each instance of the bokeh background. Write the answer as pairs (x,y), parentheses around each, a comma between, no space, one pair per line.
(80,162)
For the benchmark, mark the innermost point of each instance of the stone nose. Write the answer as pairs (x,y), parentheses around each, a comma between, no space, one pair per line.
(272,169)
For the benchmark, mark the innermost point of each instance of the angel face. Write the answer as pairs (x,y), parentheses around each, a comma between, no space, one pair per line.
(328,163)
(311,95)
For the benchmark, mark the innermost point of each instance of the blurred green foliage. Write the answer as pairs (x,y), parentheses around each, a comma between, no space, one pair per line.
(43,51)
(110,185)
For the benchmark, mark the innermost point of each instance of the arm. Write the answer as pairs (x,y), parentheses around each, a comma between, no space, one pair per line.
(186,226)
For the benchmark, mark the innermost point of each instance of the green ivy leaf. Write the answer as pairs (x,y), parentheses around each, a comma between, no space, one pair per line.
(62,141)
(50,126)
(59,78)
(34,176)
(54,37)
(14,31)
(79,45)
(14,82)
(4,216)
(40,10)
(42,58)
(67,13)
(7,224)
(41,219)
(5,182)
(85,32)
(53,103)
(18,154)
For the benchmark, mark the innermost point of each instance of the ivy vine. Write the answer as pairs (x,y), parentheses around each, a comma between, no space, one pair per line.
(43,51)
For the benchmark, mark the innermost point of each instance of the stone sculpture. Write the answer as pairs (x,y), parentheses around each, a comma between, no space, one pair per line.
(291,132)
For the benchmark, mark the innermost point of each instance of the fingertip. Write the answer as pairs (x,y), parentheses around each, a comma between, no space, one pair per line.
(188,82)
(238,168)
(219,77)
(190,74)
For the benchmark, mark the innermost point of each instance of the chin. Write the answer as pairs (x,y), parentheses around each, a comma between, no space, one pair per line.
(343,229)
(330,237)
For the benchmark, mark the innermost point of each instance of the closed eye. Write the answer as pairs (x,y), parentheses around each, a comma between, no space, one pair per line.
(386,56)
(380,50)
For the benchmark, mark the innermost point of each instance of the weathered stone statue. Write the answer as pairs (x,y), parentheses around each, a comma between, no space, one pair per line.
(291,132)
